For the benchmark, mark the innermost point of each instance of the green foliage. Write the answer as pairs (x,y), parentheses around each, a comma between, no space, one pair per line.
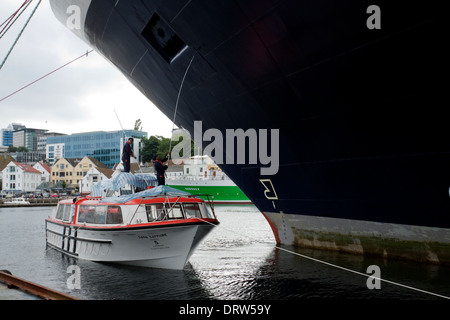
(157,145)
(17,149)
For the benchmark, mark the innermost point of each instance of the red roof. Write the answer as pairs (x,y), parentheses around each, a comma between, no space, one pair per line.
(46,167)
(26,167)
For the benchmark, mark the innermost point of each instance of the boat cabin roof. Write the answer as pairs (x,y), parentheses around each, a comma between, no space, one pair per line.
(98,201)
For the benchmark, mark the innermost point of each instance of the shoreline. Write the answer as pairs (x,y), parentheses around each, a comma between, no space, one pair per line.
(13,205)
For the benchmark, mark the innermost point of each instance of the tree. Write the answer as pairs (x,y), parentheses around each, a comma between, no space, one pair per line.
(12,149)
(157,145)
(163,147)
(149,148)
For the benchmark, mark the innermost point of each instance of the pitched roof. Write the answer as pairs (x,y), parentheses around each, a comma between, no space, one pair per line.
(73,161)
(26,167)
(134,167)
(106,171)
(4,160)
(98,163)
(45,166)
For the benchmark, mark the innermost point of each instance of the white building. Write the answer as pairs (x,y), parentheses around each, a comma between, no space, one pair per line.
(202,168)
(55,151)
(94,175)
(19,177)
(44,169)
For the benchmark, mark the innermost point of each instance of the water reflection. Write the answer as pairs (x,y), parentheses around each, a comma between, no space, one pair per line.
(238,260)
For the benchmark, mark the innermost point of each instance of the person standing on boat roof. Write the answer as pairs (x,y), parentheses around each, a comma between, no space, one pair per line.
(127,153)
(160,169)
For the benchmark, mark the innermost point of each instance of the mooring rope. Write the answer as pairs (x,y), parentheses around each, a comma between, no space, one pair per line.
(178,99)
(20,34)
(48,74)
(337,266)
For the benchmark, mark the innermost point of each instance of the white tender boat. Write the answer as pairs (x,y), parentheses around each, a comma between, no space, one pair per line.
(17,201)
(159,227)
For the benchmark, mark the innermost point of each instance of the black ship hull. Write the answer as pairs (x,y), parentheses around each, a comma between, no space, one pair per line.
(364,157)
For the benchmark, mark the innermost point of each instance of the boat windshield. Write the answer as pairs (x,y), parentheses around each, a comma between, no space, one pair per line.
(168,211)
(192,210)
(100,214)
(64,212)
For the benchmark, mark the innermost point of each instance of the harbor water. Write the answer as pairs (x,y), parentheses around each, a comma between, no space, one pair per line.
(239,260)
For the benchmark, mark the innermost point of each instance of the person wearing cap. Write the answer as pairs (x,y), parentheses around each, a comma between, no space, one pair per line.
(127,153)
(160,169)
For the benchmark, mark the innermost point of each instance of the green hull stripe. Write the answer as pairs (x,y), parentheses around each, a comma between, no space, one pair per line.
(220,193)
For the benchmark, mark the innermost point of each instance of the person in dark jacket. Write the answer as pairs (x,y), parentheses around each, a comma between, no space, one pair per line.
(160,169)
(127,153)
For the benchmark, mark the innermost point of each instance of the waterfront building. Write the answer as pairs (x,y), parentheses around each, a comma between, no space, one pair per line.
(105,146)
(94,175)
(62,170)
(44,169)
(19,177)
(72,170)
(4,161)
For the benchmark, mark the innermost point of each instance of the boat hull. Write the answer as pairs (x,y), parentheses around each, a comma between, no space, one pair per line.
(383,240)
(160,247)
(221,191)
(362,128)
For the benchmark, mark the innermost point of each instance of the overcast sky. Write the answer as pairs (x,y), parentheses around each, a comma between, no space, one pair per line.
(81,97)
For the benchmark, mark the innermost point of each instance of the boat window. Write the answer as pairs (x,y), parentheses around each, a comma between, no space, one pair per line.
(174,211)
(63,212)
(114,215)
(86,214)
(82,211)
(100,214)
(208,212)
(59,213)
(66,214)
(192,210)
(155,212)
